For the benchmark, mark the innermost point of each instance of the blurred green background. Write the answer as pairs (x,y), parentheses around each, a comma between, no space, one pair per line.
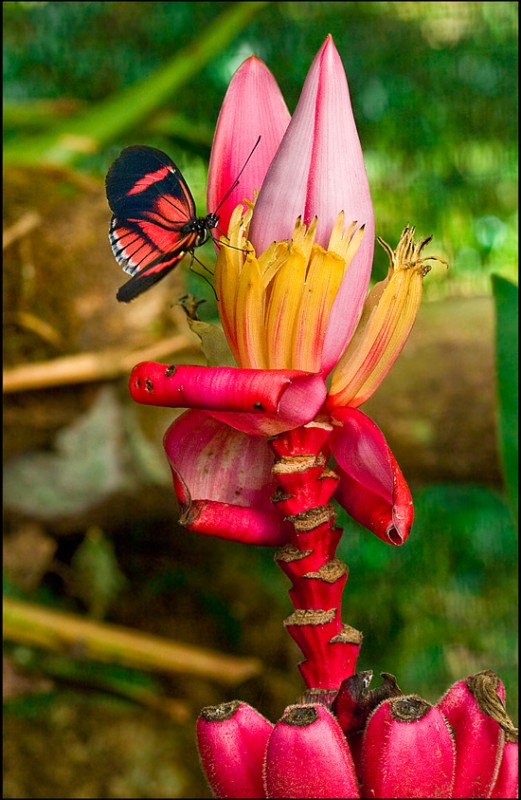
(90,520)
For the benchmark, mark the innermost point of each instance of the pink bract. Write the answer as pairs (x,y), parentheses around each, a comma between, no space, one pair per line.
(319,171)
(253,106)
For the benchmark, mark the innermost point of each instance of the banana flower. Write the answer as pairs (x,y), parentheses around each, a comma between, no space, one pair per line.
(291,279)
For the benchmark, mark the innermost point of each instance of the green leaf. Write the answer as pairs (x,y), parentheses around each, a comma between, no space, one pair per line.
(507,358)
(97,577)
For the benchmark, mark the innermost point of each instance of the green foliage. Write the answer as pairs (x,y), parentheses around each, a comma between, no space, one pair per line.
(104,121)
(433,86)
(97,577)
(507,368)
(444,605)
(112,679)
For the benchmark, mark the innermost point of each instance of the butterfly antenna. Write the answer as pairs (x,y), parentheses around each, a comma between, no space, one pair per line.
(236,181)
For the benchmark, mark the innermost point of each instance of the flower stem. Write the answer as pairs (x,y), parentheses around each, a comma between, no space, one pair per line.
(305,488)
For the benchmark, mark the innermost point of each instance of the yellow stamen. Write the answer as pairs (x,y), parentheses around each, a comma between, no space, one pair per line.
(283,308)
(228,272)
(345,243)
(251,299)
(325,274)
(389,314)
(275,307)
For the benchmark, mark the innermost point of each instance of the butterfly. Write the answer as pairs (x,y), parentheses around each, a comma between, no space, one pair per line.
(154,222)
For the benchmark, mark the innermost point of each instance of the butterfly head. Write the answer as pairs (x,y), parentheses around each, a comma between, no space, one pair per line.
(201,228)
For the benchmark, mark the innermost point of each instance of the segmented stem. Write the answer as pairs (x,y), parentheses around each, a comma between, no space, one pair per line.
(305,488)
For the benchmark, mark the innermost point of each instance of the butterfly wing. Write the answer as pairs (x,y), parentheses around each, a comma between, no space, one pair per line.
(151,205)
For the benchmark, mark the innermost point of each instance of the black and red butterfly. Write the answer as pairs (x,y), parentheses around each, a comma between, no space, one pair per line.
(154,221)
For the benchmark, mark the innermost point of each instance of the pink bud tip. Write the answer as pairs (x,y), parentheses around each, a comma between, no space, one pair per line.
(507,781)
(232,739)
(407,751)
(473,707)
(308,756)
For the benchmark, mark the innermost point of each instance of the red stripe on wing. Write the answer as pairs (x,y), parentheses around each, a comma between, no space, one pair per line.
(148,180)
(144,247)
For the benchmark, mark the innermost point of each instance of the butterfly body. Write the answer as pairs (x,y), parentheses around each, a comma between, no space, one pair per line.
(201,227)
(154,222)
